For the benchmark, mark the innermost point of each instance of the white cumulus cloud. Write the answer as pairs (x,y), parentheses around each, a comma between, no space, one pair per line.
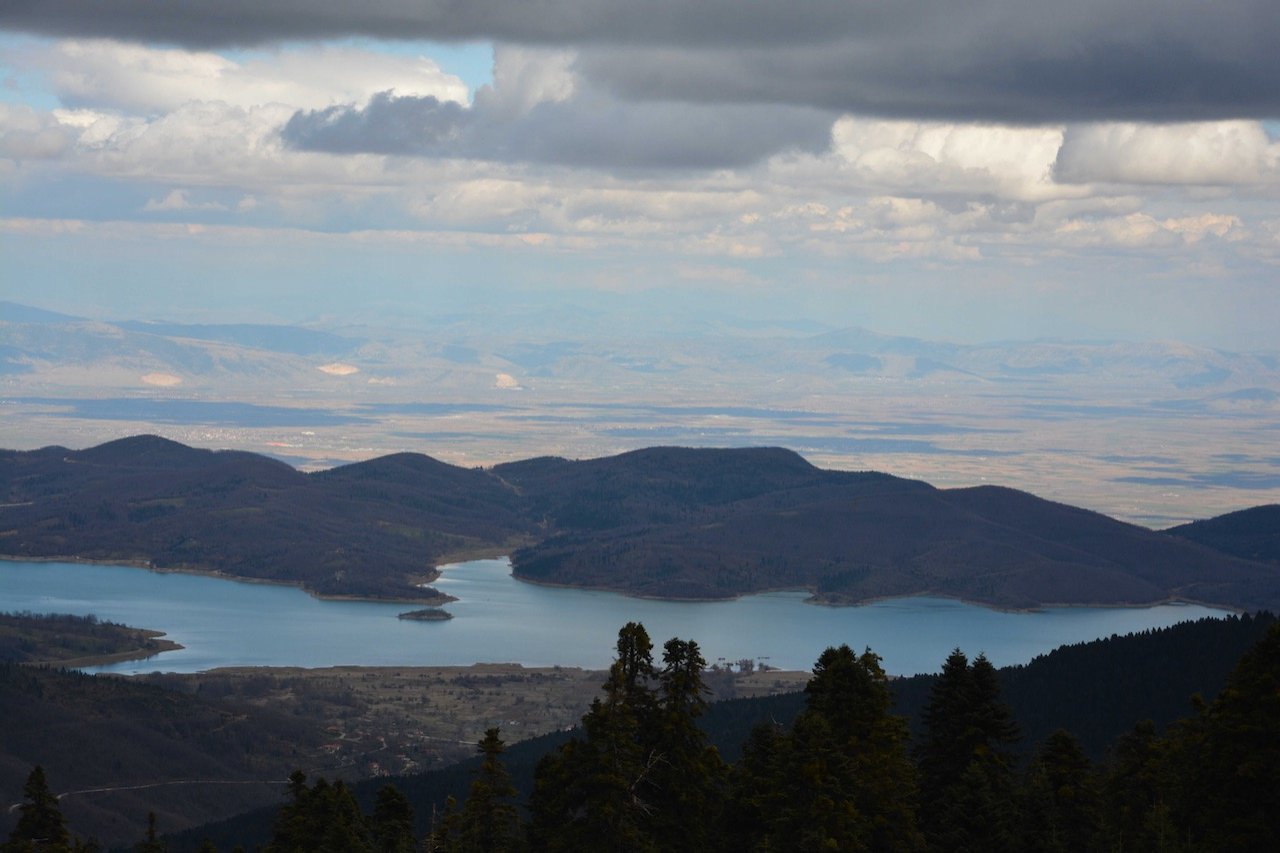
(1214,153)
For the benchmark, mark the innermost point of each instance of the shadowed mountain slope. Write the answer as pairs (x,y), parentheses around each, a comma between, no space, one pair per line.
(1252,534)
(368,529)
(97,732)
(663,522)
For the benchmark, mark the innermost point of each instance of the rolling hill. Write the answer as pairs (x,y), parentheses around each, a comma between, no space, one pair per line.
(662,522)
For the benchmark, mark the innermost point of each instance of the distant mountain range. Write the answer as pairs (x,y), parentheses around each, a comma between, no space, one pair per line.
(38,341)
(663,522)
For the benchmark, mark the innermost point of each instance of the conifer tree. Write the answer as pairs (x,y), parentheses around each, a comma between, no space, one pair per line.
(841,779)
(757,790)
(685,785)
(152,843)
(488,822)
(591,793)
(1061,807)
(40,823)
(1227,759)
(322,819)
(392,822)
(1136,814)
(444,831)
(966,763)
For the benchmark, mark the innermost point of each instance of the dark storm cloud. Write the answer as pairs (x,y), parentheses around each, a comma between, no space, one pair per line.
(1009,60)
(584,131)
(212,23)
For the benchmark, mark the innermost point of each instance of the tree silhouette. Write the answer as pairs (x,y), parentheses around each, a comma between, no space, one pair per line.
(40,823)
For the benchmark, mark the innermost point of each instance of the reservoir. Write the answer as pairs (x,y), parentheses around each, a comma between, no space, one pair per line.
(500,619)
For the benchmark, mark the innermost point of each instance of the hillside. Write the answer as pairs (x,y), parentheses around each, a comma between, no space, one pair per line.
(94,731)
(662,522)
(369,529)
(1251,534)
(668,523)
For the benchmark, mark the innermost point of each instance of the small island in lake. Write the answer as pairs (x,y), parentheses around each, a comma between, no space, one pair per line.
(427,614)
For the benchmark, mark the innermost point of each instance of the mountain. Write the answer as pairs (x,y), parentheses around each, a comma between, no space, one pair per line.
(1252,534)
(673,523)
(662,522)
(356,530)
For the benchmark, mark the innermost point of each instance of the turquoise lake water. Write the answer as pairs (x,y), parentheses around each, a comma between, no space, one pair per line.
(500,619)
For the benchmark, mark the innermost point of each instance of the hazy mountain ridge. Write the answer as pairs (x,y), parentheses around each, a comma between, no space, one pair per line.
(1076,421)
(47,340)
(663,522)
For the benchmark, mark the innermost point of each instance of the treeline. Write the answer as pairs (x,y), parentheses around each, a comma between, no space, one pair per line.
(642,776)
(26,636)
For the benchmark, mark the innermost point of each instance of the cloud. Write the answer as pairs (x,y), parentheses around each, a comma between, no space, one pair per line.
(161,380)
(1203,153)
(178,200)
(537,111)
(991,60)
(26,134)
(938,157)
(138,79)
(586,131)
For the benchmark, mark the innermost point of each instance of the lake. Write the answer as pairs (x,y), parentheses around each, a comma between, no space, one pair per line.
(500,619)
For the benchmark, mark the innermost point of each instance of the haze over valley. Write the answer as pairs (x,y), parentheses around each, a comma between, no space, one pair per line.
(1156,433)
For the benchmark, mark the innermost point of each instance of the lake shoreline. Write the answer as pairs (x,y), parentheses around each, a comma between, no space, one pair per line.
(116,657)
(816,601)
(498,619)
(430,577)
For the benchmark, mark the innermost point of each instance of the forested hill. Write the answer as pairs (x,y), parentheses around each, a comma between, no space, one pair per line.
(366,529)
(662,522)
(1252,534)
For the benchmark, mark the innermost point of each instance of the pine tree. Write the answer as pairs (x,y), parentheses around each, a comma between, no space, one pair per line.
(152,843)
(685,786)
(322,819)
(966,763)
(489,822)
(40,823)
(1136,814)
(757,791)
(841,779)
(392,822)
(1061,810)
(1230,758)
(594,792)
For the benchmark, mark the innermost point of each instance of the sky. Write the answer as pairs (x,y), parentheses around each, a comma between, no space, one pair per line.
(976,171)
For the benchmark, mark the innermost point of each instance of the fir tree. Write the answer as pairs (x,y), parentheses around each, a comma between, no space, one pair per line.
(152,843)
(685,787)
(40,823)
(966,763)
(392,822)
(1061,808)
(1228,759)
(1135,812)
(489,822)
(841,779)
